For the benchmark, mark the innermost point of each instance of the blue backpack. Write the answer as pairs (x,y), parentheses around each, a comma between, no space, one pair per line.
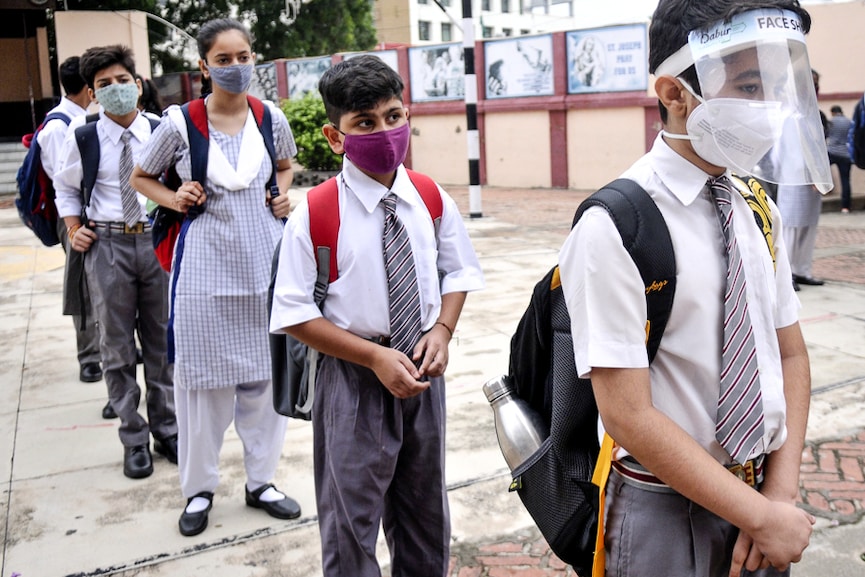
(35,197)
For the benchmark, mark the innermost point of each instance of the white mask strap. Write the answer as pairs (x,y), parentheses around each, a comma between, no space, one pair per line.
(677,136)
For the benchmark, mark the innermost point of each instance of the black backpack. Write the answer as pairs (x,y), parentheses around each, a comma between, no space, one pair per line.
(555,484)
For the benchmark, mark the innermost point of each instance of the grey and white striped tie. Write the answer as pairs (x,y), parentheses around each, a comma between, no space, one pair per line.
(739,425)
(405,321)
(128,196)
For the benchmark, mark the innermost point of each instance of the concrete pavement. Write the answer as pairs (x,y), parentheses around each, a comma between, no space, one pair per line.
(68,510)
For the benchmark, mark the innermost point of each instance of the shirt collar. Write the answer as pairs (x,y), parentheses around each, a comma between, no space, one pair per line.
(370,192)
(140,128)
(682,178)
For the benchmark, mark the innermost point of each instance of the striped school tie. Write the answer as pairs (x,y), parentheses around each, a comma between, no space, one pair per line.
(739,425)
(405,321)
(128,196)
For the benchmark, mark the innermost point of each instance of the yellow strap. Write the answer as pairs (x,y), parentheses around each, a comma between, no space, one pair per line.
(599,478)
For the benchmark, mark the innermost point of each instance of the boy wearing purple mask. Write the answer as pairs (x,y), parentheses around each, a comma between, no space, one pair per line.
(379,407)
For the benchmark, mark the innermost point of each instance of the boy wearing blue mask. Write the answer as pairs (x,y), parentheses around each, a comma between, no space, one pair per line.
(108,225)
(379,408)
(708,437)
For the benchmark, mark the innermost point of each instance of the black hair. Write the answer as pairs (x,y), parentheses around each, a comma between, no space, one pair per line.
(210,30)
(207,38)
(673,20)
(70,76)
(101,57)
(836,110)
(149,101)
(356,84)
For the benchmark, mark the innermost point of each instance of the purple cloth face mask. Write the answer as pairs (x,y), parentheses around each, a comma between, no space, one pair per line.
(378,152)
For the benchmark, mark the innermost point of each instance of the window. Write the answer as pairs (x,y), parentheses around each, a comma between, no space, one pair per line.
(423,1)
(524,32)
(506,7)
(423,29)
(446,32)
(507,31)
(485,5)
(487,32)
(445,2)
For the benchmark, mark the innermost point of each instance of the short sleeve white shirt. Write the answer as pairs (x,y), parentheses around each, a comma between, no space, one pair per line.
(606,299)
(53,134)
(357,301)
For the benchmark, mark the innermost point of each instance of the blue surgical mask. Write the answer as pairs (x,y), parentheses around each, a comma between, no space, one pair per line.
(118,99)
(235,78)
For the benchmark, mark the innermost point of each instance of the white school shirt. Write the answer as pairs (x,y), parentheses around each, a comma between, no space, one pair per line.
(358,300)
(606,300)
(105,204)
(53,135)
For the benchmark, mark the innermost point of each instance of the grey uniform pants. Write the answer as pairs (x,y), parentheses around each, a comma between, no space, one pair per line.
(379,459)
(128,287)
(649,534)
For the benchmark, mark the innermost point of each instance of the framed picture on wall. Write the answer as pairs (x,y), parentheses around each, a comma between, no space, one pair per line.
(303,75)
(519,67)
(437,72)
(613,59)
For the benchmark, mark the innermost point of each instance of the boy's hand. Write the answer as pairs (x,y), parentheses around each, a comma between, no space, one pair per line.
(279,206)
(432,351)
(83,239)
(782,536)
(747,556)
(397,373)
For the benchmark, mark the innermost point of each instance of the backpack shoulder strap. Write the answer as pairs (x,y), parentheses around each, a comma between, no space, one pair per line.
(264,121)
(87,138)
(323,202)
(646,237)
(430,194)
(195,114)
(55,116)
(153,123)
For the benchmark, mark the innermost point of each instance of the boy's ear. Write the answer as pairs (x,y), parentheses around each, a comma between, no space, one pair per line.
(675,98)
(333,137)
(140,87)
(92,95)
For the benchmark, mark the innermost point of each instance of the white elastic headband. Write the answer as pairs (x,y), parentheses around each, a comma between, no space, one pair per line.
(724,37)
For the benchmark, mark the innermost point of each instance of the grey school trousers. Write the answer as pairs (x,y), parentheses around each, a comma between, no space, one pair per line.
(379,459)
(649,534)
(129,287)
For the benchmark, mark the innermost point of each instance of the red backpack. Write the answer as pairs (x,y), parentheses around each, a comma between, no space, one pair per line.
(293,364)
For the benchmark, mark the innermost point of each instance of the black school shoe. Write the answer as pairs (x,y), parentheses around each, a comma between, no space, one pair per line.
(90,373)
(807,280)
(137,462)
(286,508)
(166,447)
(191,524)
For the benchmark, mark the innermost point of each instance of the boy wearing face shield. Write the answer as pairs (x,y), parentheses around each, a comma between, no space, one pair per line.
(705,473)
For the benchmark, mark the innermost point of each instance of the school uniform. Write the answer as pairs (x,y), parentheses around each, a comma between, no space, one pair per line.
(219,308)
(51,139)
(128,287)
(652,532)
(377,458)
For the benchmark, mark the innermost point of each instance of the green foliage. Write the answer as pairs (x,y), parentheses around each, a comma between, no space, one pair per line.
(306,117)
(323,27)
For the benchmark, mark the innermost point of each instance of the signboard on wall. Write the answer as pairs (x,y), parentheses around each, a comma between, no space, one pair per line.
(519,67)
(388,56)
(437,72)
(613,59)
(303,75)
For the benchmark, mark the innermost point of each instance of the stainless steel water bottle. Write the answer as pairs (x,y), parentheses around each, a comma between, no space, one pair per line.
(520,429)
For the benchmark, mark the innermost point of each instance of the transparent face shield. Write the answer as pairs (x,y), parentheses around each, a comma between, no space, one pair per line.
(758,112)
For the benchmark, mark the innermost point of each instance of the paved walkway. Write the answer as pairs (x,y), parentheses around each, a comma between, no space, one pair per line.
(67,509)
